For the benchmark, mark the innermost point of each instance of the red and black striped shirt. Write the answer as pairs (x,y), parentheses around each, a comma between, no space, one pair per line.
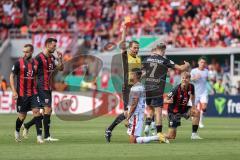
(26,71)
(180,98)
(46,68)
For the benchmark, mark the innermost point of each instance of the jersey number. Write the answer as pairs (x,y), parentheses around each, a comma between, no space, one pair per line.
(154,65)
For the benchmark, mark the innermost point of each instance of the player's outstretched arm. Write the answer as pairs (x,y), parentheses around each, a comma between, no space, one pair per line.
(183,67)
(12,85)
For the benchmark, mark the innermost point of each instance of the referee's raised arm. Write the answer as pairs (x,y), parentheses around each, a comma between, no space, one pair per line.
(122,43)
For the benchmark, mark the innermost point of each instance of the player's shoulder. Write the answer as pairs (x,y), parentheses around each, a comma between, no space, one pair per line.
(194,70)
(191,85)
(205,70)
(137,87)
(38,56)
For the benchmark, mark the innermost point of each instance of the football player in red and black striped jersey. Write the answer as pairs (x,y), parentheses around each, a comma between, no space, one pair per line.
(47,65)
(25,71)
(178,107)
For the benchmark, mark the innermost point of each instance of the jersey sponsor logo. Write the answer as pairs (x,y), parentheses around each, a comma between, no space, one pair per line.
(220,104)
(19,107)
(155,60)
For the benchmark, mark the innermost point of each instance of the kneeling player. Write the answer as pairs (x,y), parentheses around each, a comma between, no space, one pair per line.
(178,99)
(136,108)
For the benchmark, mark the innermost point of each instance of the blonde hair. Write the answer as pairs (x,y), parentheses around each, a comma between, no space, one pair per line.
(186,74)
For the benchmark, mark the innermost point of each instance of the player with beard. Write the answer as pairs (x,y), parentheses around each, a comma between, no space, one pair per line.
(48,64)
(25,69)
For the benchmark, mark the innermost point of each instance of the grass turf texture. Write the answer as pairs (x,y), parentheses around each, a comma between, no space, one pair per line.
(85,140)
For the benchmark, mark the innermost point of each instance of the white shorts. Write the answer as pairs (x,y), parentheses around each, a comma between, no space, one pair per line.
(203,98)
(135,125)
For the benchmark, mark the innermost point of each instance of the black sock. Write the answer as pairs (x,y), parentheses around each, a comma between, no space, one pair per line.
(31,122)
(117,120)
(46,124)
(18,124)
(148,121)
(194,128)
(38,124)
(153,118)
(159,128)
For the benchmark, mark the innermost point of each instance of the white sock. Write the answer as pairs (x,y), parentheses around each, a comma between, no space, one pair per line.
(201,118)
(146,139)
(193,134)
(153,126)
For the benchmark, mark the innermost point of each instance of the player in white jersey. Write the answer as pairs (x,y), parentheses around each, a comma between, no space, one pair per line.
(135,119)
(199,76)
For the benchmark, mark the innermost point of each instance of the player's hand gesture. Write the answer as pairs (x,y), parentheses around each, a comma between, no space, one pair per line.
(15,95)
(60,55)
(126,123)
(187,64)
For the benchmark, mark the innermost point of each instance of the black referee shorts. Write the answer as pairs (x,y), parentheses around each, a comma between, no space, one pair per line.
(25,104)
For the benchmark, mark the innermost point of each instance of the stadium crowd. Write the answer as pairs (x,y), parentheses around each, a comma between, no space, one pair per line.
(186,23)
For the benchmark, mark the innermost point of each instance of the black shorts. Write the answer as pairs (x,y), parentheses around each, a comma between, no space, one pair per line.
(125,93)
(174,119)
(45,98)
(154,101)
(25,104)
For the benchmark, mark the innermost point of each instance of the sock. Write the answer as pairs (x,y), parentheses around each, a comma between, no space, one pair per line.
(147,139)
(201,118)
(194,128)
(117,120)
(18,124)
(38,124)
(159,128)
(153,118)
(46,124)
(148,121)
(31,122)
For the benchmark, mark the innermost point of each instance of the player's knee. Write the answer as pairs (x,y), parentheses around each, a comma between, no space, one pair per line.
(172,136)
(22,117)
(36,112)
(47,110)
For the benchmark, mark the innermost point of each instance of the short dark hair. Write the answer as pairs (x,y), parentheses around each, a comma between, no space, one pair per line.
(161,46)
(133,42)
(50,40)
(202,58)
(30,46)
(138,71)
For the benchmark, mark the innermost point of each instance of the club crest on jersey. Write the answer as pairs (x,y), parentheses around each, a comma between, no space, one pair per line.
(46,100)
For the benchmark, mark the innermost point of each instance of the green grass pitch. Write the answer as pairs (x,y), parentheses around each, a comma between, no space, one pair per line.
(85,140)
